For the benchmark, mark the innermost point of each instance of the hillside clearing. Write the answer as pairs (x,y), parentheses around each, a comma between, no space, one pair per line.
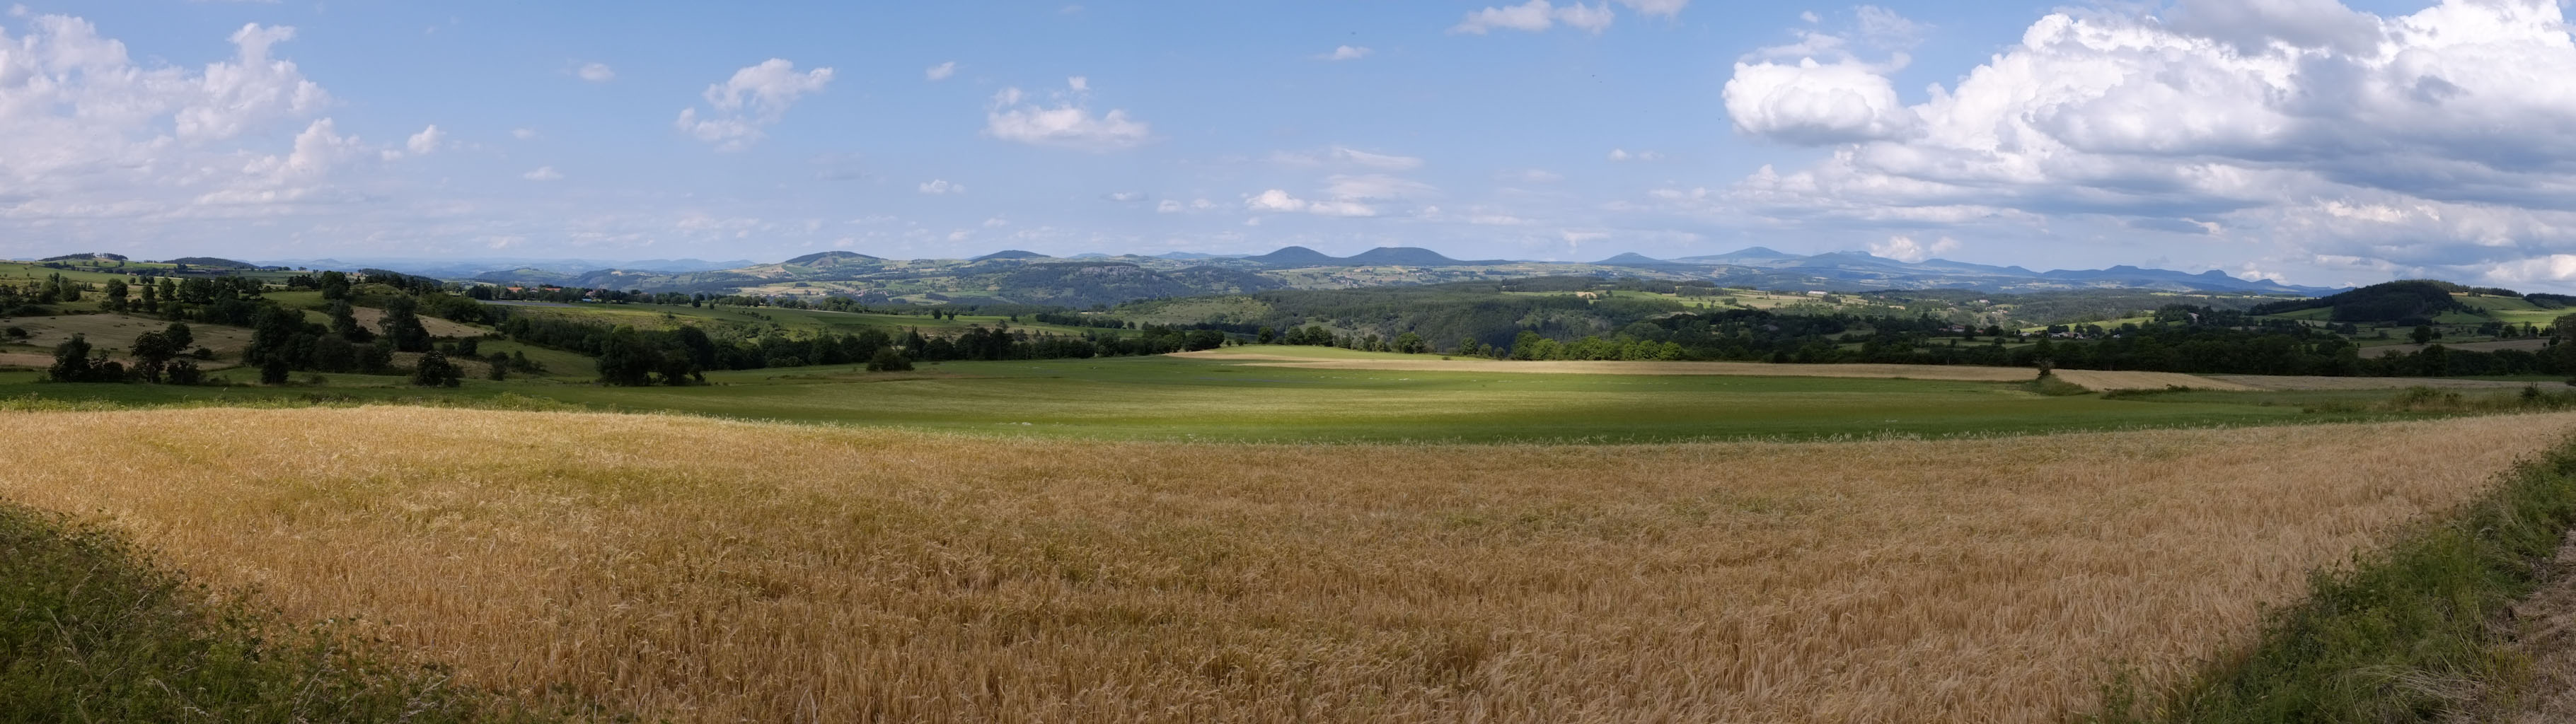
(919,577)
(2089,379)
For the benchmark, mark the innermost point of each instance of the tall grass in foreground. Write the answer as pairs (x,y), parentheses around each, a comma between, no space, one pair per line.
(92,632)
(710,571)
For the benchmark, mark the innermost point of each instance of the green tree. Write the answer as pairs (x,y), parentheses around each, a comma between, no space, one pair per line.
(889,360)
(402,325)
(115,298)
(499,365)
(1266,335)
(1410,343)
(626,360)
(72,362)
(434,370)
(344,322)
(153,352)
(335,286)
(2423,334)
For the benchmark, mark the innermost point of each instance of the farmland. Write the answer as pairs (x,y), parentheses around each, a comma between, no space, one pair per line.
(948,578)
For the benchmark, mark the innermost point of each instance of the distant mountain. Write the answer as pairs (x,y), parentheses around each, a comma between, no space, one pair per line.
(210,261)
(86,256)
(1194,256)
(1295,256)
(831,258)
(452,268)
(1632,259)
(1748,256)
(1010,254)
(1404,256)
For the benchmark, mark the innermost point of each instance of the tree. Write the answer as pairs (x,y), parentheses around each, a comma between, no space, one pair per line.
(335,286)
(626,360)
(114,300)
(889,360)
(434,370)
(1266,335)
(402,325)
(2423,334)
(344,322)
(1410,343)
(500,367)
(153,352)
(72,362)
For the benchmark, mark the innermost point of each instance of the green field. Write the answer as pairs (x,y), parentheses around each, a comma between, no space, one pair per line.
(1168,398)
(794,322)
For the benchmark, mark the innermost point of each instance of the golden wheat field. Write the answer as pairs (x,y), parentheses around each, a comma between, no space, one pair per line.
(713,571)
(2096,380)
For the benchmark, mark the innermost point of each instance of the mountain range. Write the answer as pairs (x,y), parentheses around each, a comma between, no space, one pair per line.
(1025,277)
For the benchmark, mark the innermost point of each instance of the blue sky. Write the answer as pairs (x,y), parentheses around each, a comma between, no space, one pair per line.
(2304,140)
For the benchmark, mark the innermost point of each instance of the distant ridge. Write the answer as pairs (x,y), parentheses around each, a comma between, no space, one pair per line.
(1296,256)
(1010,254)
(819,256)
(1632,259)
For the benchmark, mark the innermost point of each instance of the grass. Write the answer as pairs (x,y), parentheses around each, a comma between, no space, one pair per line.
(793,322)
(92,631)
(2406,633)
(711,571)
(1174,398)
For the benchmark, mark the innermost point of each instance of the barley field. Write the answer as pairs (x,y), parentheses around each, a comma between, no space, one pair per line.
(718,572)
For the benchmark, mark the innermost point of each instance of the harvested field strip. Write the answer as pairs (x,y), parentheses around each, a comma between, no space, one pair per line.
(711,571)
(2298,382)
(2089,379)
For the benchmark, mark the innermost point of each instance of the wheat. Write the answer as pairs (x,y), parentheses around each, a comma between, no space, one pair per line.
(715,571)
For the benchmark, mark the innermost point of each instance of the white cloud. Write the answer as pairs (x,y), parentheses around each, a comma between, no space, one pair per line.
(1623,155)
(427,140)
(1012,116)
(1536,16)
(1534,176)
(543,173)
(1276,200)
(1343,157)
(941,187)
(1815,103)
(523,134)
(940,72)
(2436,142)
(1124,197)
(1347,52)
(754,98)
(1376,187)
(597,72)
(1906,249)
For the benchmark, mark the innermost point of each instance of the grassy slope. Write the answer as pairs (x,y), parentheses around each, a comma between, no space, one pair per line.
(790,321)
(91,632)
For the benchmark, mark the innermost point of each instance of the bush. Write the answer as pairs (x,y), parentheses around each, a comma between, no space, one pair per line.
(888,360)
(435,371)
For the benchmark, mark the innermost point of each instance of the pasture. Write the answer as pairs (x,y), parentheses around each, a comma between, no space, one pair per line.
(1178,398)
(710,571)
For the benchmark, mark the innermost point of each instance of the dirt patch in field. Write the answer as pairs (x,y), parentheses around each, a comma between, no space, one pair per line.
(372,318)
(2294,382)
(2089,379)
(24,359)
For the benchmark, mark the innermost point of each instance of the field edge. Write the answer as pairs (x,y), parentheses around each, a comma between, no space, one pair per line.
(2406,633)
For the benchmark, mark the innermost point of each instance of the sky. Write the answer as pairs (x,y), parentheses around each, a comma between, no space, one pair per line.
(2306,141)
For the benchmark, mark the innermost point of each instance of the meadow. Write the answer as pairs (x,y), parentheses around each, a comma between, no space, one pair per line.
(718,571)
(1180,398)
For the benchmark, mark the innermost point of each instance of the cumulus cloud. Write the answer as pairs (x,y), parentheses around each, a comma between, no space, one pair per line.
(543,173)
(1540,15)
(940,72)
(1622,155)
(2440,140)
(941,187)
(1124,197)
(1906,249)
(754,98)
(1069,123)
(1811,103)
(1278,201)
(426,141)
(1347,52)
(596,72)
